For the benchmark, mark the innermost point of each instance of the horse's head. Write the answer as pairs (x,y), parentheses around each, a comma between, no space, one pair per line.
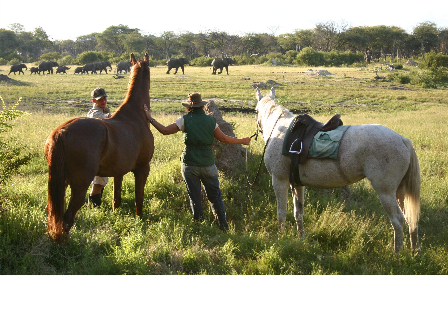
(139,79)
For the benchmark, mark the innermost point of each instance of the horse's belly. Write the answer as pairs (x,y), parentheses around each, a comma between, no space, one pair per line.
(328,173)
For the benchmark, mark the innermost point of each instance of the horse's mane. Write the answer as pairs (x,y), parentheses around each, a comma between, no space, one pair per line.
(270,106)
(134,79)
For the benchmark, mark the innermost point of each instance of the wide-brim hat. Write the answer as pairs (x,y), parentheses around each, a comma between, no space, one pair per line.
(98,93)
(194,100)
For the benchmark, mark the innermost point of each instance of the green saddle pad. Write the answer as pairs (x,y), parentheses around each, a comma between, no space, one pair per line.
(326,144)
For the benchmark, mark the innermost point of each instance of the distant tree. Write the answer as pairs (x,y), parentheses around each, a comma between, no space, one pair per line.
(426,33)
(443,41)
(8,43)
(86,42)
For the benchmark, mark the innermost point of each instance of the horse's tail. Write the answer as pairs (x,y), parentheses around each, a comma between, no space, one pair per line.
(57,172)
(411,185)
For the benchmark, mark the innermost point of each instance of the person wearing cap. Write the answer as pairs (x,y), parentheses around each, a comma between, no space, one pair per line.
(101,111)
(198,159)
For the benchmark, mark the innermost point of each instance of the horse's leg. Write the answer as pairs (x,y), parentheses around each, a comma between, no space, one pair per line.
(281,193)
(118,181)
(389,202)
(140,180)
(77,200)
(298,196)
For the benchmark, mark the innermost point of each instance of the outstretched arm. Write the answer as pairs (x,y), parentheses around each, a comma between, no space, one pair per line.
(219,135)
(165,130)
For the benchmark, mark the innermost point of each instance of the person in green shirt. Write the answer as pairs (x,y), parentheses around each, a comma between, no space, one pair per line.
(198,159)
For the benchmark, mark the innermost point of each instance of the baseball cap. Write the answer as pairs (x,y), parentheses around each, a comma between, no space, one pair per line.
(98,93)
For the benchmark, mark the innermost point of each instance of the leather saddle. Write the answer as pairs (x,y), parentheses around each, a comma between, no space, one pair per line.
(302,131)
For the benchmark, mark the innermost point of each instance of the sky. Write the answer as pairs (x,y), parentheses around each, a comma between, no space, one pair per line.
(83,17)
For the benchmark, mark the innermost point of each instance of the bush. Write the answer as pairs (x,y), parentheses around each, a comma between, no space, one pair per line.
(201,61)
(14,61)
(50,56)
(400,78)
(88,57)
(11,155)
(434,61)
(311,57)
(3,61)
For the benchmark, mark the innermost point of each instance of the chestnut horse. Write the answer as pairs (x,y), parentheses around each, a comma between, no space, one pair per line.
(82,148)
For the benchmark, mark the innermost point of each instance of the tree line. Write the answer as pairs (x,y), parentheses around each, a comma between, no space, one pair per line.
(117,42)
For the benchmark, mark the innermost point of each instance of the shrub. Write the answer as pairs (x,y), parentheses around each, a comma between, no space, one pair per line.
(88,57)
(400,78)
(311,57)
(3,61)
(201,61)
(11,155)
(434,61)
(14,61)
(50,56)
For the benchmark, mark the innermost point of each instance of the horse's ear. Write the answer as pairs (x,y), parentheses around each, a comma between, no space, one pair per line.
(272,94)
(146,58)
(133,59)
(258,94)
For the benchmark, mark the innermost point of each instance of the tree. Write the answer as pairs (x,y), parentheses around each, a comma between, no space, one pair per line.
(111,39)
(41,42)
(8,43)
(86,42)
(168,41)
(133,42)
(426,33)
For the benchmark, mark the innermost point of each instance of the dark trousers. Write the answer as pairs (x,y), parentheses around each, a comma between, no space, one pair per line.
(193,176)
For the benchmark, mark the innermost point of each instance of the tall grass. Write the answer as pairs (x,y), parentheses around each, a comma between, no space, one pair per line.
(347,232)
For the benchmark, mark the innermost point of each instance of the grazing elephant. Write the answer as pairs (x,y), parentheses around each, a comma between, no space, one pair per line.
(220,63)
(124,66)
(62,69)
(34,70)
(176,63)
(17,68)
(47,66)
(79,70)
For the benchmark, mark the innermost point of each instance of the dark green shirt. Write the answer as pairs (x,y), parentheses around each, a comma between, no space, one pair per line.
(198,139)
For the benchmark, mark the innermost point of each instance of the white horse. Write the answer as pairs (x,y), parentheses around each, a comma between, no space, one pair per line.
(386,158)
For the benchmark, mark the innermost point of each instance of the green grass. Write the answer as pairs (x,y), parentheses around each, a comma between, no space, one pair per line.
(346,233)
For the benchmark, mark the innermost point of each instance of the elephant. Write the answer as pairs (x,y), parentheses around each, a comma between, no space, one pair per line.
(79,70)
(176,63)
(62,69)
(17,68)
(47,66)
(220,63)
(124,66)
(90,67)
(35,70)
(103,66)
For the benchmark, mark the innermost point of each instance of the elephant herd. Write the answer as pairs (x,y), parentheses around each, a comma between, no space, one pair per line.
(172,63)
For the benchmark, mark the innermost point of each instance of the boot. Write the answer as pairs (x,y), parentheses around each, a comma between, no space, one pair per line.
(95,200)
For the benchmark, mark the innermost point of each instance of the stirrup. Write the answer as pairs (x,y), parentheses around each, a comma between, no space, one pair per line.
(296,152)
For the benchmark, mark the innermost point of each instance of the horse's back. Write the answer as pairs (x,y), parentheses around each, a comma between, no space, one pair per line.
(372,151)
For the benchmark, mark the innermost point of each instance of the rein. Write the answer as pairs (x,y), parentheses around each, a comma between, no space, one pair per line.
(251,184)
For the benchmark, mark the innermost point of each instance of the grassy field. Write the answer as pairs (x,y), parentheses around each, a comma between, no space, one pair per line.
(346,233)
